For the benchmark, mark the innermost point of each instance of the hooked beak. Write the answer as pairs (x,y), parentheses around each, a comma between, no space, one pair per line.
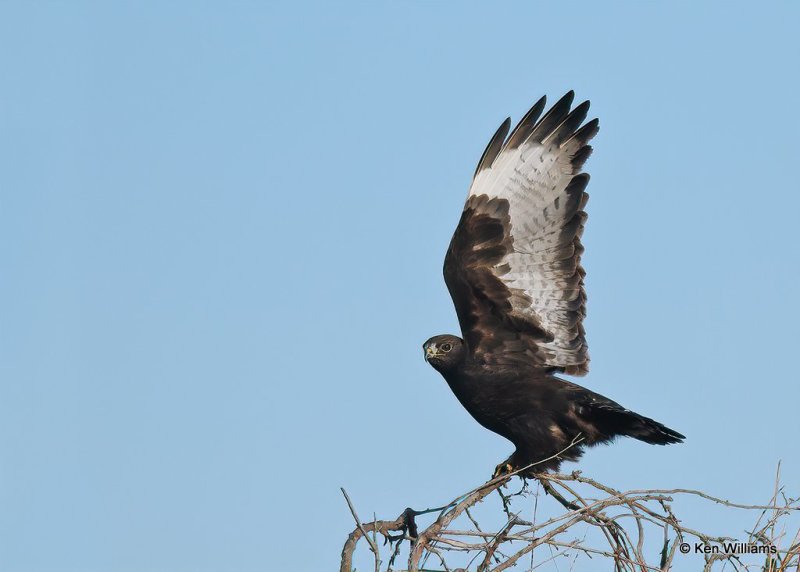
(430,352)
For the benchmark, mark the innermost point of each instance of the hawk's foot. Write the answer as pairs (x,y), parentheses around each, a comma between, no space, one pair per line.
(504,468)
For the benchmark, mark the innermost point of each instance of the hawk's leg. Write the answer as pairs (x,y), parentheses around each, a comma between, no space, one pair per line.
(504,468)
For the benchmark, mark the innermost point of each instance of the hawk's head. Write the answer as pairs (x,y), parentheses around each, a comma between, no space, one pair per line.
(444,352)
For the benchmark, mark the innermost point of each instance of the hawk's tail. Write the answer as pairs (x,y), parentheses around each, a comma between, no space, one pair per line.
(650,431)
(614,419)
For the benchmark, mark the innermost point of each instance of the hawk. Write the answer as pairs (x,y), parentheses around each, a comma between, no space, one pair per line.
(513,269)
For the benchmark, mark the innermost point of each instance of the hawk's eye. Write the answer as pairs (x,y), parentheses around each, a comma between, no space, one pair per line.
(446,347)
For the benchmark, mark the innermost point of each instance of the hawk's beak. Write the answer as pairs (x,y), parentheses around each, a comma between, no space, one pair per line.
(430,352)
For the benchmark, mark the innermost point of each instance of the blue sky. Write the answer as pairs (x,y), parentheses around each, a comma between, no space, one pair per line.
(221,236)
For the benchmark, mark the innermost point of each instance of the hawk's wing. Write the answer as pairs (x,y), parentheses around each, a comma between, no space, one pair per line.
(513,267)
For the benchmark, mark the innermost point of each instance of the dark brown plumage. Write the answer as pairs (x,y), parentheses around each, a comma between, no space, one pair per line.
(513,270)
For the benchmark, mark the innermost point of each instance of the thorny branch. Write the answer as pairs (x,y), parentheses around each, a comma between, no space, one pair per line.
(634,530)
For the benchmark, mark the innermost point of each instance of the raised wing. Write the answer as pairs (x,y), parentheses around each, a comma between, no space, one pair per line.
(513,267)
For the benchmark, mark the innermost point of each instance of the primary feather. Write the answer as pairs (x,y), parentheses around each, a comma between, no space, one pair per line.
(517,247)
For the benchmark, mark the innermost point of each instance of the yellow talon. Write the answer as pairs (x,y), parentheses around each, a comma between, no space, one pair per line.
(503,469)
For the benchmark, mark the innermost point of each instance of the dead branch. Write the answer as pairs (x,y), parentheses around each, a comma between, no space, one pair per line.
(637,530)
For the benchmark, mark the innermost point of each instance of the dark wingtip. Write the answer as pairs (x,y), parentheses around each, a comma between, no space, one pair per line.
(571,122)
(494,146)
(554,117)
(569,96)
(587,132)
(526,124)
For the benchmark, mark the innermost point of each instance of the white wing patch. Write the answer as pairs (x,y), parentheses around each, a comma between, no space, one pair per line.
(546,223)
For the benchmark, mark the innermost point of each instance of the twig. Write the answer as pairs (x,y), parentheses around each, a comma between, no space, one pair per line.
(584,500)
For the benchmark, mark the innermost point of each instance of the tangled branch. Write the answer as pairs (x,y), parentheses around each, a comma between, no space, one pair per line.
(591,520)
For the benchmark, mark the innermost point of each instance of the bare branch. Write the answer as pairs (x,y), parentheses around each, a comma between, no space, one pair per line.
(626,520)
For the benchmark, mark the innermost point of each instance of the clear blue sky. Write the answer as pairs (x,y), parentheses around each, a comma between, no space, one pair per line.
(221,236)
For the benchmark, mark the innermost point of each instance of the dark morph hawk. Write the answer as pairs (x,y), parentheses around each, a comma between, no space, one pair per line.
(513,270)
